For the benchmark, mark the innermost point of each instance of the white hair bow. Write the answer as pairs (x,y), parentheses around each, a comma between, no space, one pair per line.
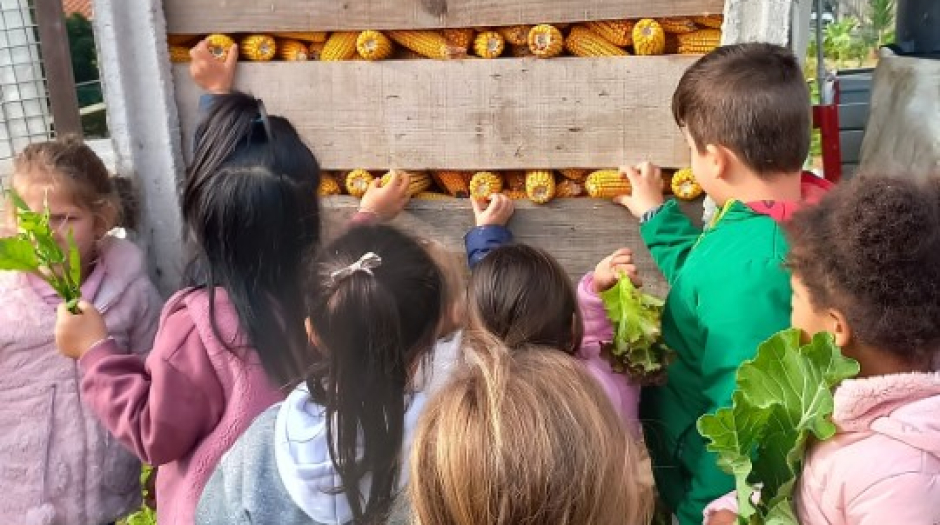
(365,264)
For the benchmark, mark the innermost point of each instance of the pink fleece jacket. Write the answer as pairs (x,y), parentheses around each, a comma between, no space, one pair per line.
(598,329)
(184,406)
(882,466)
(57,463)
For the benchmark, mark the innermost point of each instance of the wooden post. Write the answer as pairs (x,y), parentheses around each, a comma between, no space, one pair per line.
(57,60)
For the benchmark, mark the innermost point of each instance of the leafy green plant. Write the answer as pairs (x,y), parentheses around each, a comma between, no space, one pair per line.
(34,249)
(145,515)
(881,21)
(783,395)
(841,41)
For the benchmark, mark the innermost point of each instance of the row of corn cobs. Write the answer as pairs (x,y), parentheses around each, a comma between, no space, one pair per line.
(682,35)
(539,186)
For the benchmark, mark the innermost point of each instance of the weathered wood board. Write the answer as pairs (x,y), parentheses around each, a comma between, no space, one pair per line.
(214,16)
(470,114)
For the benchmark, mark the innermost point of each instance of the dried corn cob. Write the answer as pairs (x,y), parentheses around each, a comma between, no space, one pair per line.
(315,50)
(340,46)
(373,45)
(574,174)
(432,196)
(219,45)
(179,54)
(186,41)
(515,35)
(292,51)
(617,32)
(430,44)
(567,189)
(540,186)
(306,36)
(583,42)
(515,180)
(489,45)
(456,183)
(712,21)
(485,183)
(520,51)
(358,181)
(328,186)
(515,195)
(684,185)
(649,38)
(258,48)
(546,41)
(607,184)
(418,181)
(459,38)
(678,25)
(701,41)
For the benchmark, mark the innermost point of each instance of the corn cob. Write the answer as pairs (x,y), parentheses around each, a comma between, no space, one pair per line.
(292,51)
(219,45)
(684,185)
(373,45)
(418,181)
(357,182)
(546,41)
(577,175)
(649,38)
(403,53)
(701,41)
(485,183)
(607,184)
(432,196)
(459,38)
(583,42)
(306,36)
(515,35)
(540,186)
(566,189)
(617,32)
(328,186)
(679,25)
(515,195)
(712,21)
(179,54)
(456,183)
(489,45)
(258,48)
(515,180)
(186,41)
(315,50)
(340,46)
(520,51)
(430,44)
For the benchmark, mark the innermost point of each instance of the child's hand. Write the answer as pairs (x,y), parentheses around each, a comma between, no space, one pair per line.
(608,271)
(76,334)
(496,212)
(211,74)
(387,201)
(646,183)
(722,517)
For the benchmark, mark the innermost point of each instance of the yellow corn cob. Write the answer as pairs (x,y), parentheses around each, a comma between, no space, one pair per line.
(328,186)
(403,53)
(567,189)
(546,41)
(485,183)
(540,186)
(373,45)
(293,51)
(515,180)
(418,181)
(432,196)
(696,49)
(677,24)
(306,36)
(179,54)
(459,38)
(712,21)
(684,185)
(186,41)
(456,183)
(617,32)
(430,44)
(515,35)
(357,182)
(515,195)
(649,38)
(701,41)
(606,184)
(340,46)
(520,51)
(577,175)
(583,42)
(489,45)
(258,48)
(219,45)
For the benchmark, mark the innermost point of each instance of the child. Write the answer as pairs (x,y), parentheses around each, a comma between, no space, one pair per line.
(332,452)
(524,437)
(866,268)
(57,464)
(729,290)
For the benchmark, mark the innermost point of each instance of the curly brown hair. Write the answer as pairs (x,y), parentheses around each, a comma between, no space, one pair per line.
(871,249)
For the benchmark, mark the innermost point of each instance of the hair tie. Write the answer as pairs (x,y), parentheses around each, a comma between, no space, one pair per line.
(365,264)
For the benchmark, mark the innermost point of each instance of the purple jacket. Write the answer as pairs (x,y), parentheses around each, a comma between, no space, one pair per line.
(57,463)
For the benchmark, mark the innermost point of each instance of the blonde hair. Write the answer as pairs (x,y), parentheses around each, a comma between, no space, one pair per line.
(523,439)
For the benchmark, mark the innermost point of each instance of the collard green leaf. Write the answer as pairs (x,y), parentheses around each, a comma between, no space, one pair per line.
(17,254)
(638,345)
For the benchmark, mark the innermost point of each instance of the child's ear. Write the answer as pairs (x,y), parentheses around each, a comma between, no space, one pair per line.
(839,327)
(106,219)
(717,160)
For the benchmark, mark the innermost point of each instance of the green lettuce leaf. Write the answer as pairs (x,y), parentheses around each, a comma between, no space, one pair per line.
(783,395)
(638,346)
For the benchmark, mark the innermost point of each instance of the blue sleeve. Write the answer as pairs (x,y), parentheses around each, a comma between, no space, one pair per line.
(483,239)
(205,103)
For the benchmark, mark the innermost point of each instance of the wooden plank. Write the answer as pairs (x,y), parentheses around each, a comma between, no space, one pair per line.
(470,114)
(211,16)
(57,65)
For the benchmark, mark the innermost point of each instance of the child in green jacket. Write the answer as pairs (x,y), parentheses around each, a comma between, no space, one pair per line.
(745,113)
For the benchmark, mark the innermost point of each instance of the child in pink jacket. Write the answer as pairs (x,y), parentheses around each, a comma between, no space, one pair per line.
(57,463)
(866,267)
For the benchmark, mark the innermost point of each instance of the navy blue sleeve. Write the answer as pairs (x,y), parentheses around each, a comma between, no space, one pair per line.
(205,103)
(483,239)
